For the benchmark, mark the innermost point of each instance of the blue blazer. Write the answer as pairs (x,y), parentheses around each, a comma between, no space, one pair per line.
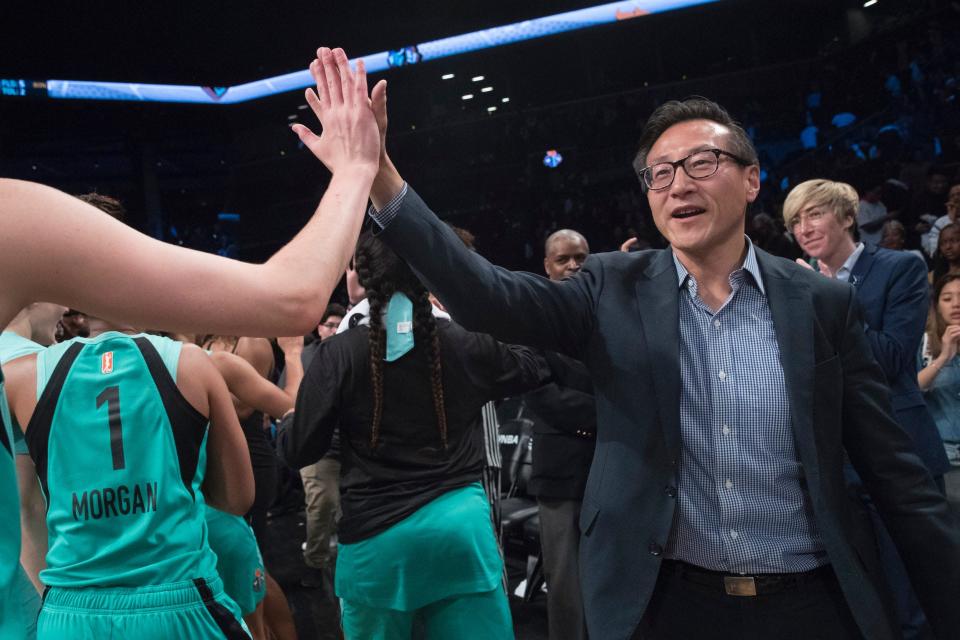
(620,316)
(893,291)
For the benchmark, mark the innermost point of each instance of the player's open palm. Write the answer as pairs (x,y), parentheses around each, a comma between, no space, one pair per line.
(349,135)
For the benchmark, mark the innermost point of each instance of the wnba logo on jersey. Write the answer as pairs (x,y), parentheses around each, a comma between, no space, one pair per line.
(258,579)
(106,362)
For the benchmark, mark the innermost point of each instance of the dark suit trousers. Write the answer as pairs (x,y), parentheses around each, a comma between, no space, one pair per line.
(684,610)
(560,545)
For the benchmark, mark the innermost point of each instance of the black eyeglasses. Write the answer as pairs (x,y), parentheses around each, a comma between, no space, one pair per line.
(698,165)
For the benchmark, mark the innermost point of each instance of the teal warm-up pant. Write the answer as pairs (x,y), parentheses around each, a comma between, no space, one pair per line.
(195,609)
(474,616)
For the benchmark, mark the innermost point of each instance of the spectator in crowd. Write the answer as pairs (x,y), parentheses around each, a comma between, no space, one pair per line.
(892,290)
(405,390)
(894,237)
(321,489)
(952,207)
(946,259)
(766,234)
(928,203)
(564,438)
(939,376)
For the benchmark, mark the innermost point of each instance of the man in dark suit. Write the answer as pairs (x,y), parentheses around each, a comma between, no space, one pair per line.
(564,431)
(892,289)
(715,505)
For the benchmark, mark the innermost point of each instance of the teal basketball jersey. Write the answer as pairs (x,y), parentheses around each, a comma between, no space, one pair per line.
(18,616)
(238,559)
(13,346)
(12,623)
(120,455)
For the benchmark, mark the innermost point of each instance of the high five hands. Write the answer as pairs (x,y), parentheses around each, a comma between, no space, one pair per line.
(350,136)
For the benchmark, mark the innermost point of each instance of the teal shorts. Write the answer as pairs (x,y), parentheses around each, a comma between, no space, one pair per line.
(197,609)
(474,616)
(19,607)
(238,559)
(29,601)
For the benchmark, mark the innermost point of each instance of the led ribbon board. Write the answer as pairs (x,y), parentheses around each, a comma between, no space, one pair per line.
(434,50)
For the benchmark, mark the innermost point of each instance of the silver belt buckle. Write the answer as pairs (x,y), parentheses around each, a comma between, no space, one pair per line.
(739,585)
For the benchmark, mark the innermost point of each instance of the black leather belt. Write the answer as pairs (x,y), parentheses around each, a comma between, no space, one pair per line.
(738,585)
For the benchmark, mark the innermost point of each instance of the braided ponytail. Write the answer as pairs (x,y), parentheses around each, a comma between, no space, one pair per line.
(382,273)
(426,330)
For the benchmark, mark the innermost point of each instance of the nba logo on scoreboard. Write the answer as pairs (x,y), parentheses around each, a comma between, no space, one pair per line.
(106,362)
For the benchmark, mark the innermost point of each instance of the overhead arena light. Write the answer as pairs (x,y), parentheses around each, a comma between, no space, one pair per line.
(468,96)
(477,79)
(607,13)
(486,90)
(447,76)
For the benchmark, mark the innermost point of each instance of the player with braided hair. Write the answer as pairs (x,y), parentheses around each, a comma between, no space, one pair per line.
(382,286)
(405,390)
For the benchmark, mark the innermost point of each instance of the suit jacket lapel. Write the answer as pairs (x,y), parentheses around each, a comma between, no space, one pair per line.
(791,307)
(657,303)
(862,266)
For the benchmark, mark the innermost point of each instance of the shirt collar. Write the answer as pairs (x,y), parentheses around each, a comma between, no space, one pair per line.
(750,265)
(843,273)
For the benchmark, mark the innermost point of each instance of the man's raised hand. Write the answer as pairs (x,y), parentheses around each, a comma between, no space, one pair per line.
(350,136)
(378,102)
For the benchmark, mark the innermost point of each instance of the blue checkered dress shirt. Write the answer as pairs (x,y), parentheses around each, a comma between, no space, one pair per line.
(390,210)
(742,506)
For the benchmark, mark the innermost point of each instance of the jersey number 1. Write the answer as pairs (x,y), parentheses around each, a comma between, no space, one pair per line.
(111,395)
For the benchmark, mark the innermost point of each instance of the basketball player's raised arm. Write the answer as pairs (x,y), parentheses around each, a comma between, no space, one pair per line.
(52,246)
(252,389)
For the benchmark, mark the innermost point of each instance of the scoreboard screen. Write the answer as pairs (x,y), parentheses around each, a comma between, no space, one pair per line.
(19,87)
